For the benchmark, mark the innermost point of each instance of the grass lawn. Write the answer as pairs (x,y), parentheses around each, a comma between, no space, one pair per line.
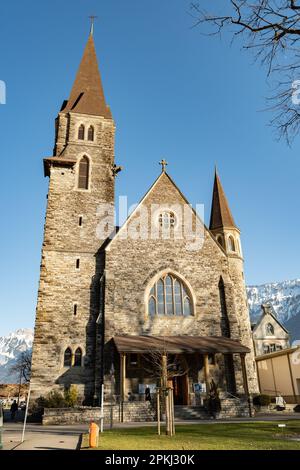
(229,436)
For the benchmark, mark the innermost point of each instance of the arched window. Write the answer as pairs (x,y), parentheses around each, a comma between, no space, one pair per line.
(78,357)
(83,175)
(91,133)
(166,219)
(220,240)
(169,296)
(269,329)
(231,243)
(81,132)
(68,358)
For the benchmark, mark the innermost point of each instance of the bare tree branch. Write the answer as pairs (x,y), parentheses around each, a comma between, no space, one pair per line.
(23,366)
(271,29)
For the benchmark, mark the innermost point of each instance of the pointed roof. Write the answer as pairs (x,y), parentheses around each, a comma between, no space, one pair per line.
(268,309)
(167,177)
(220,215)
(87,96)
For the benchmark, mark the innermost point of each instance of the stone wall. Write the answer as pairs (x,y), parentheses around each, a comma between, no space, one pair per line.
(126,412)
(140,412)
(70,415)
(128,284)
(62,284)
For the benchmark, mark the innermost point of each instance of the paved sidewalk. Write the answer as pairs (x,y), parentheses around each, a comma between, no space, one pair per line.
(39,437)
(67,437)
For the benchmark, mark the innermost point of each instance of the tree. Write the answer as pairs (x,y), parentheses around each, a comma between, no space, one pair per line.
(163,366)
(23,366)
(271,29)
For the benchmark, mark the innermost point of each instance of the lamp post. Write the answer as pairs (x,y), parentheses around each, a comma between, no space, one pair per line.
(112,382)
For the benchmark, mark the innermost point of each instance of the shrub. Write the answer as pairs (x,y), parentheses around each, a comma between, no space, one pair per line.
(55,399)
(71,396)
(262,400)
(297,409)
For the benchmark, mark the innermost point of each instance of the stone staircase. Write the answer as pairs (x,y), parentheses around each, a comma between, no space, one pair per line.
(233,408)
(185,413)
(230,408)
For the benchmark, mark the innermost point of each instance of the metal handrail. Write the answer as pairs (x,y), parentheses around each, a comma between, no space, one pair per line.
(233,396)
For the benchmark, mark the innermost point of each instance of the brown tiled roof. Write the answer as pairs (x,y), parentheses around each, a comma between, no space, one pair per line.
(220,213)
(179,344)
(87,96)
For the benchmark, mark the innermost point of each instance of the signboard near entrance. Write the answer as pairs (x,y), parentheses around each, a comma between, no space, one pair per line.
(200,387)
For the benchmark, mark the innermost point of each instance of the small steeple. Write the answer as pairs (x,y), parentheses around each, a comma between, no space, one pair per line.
(87,96)
(220,213)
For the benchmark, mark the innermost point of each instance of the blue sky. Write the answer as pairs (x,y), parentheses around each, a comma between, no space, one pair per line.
(174,93)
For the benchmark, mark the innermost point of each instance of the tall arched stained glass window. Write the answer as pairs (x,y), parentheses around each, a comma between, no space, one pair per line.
(169,296)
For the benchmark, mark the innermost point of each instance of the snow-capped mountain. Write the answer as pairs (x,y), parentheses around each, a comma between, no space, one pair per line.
(11,347)
(285,299)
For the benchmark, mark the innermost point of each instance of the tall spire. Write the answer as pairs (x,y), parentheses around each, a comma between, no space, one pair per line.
(220,213)
(87,96)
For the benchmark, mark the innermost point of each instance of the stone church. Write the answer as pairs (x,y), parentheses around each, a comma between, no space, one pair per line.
(108,300)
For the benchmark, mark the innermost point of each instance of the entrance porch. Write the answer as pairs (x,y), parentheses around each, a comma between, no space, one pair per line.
(193,364)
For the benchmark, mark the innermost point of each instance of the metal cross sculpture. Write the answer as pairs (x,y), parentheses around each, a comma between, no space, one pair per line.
(163,164)
(92,18)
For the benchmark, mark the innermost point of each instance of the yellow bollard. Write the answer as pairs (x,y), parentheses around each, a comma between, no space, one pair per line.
(93,435)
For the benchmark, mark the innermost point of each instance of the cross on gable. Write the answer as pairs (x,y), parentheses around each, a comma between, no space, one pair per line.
(163,164)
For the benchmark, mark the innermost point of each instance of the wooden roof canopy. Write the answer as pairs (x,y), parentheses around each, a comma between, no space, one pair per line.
(179,344)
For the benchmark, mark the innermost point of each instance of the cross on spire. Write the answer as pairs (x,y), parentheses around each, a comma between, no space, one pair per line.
(163,164)
(92,18)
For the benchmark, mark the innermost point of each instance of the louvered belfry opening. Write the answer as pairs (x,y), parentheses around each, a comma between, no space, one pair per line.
(83,180)
(91,133)
(81,132)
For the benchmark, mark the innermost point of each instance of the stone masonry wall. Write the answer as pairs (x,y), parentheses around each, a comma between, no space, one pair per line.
(128,412)
(61,284)
(128,284)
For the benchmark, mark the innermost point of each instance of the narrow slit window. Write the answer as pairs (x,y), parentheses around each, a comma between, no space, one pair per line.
(80,221)
(75,310)
(77,263)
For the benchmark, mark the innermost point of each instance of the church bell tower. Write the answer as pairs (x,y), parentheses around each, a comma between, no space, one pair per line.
(81,177)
